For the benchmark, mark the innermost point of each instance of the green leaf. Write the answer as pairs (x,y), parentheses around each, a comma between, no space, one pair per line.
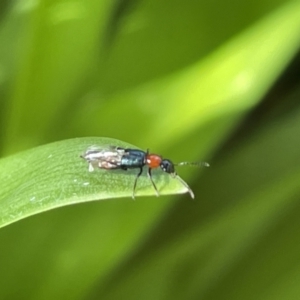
(178,78)
(54,175)
(245,230)
(218,90)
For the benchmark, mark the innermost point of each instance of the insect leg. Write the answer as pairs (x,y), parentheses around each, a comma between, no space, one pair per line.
(135,182)
(150,176)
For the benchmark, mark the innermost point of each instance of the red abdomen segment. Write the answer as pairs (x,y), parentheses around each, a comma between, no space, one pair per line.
(153,161)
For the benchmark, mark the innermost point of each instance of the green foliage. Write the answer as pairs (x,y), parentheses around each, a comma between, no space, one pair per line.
(180,79)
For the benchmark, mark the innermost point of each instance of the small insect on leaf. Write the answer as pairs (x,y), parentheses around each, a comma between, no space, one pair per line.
(113,157)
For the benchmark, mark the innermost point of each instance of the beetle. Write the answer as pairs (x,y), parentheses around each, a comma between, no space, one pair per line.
(114,157)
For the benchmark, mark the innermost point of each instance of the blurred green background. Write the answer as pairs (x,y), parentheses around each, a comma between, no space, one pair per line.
(194,80)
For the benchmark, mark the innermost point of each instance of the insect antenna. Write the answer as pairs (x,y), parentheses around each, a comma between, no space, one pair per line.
(196,164)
